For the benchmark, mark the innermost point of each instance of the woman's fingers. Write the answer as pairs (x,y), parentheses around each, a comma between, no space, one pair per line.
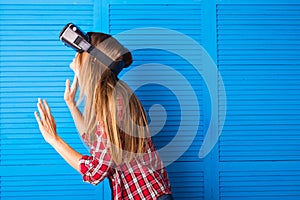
(70,92)
(67,86)
(45,111)
(41,109)
(74,84)
(38,119)
(47,108)
(45,121)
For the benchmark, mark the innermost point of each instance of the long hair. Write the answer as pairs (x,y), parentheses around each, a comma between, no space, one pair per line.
(98,89)
(126,127)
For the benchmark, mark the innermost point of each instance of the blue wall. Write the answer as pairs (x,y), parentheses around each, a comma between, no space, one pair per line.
(255,47)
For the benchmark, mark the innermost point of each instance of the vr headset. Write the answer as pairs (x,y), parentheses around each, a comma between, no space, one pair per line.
(73,37)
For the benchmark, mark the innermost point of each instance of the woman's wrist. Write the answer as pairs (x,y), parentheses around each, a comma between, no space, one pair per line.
(72,106)
(54,140)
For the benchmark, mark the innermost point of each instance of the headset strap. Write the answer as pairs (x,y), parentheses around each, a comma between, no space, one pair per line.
(115,66)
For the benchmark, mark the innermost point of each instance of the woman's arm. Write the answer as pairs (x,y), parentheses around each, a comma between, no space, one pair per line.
(78,118)
(47,127)
(69,96)
(71,156)
(93,168)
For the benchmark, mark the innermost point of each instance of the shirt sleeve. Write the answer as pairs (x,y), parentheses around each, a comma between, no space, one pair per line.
(95,167)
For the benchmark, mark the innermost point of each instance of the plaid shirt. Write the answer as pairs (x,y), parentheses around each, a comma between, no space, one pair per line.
(144,177)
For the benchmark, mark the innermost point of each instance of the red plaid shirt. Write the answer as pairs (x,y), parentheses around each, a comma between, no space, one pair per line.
(142,178)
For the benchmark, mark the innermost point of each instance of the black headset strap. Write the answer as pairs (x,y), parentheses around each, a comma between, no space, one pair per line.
(115,66)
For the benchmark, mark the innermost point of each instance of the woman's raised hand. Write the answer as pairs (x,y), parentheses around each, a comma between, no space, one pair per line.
(46,122)
(70,92)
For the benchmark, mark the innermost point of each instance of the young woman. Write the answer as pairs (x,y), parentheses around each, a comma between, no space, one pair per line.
(113,125)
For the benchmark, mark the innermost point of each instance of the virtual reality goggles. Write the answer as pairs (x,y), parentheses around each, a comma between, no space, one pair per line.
(73,37)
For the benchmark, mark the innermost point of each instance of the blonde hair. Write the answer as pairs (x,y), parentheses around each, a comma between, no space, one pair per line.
(127,128)
(100,89)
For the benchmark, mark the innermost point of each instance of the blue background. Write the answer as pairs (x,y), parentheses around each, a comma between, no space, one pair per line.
(256,47)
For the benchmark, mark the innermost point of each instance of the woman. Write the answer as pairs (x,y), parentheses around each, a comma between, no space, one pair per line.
(113,125)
